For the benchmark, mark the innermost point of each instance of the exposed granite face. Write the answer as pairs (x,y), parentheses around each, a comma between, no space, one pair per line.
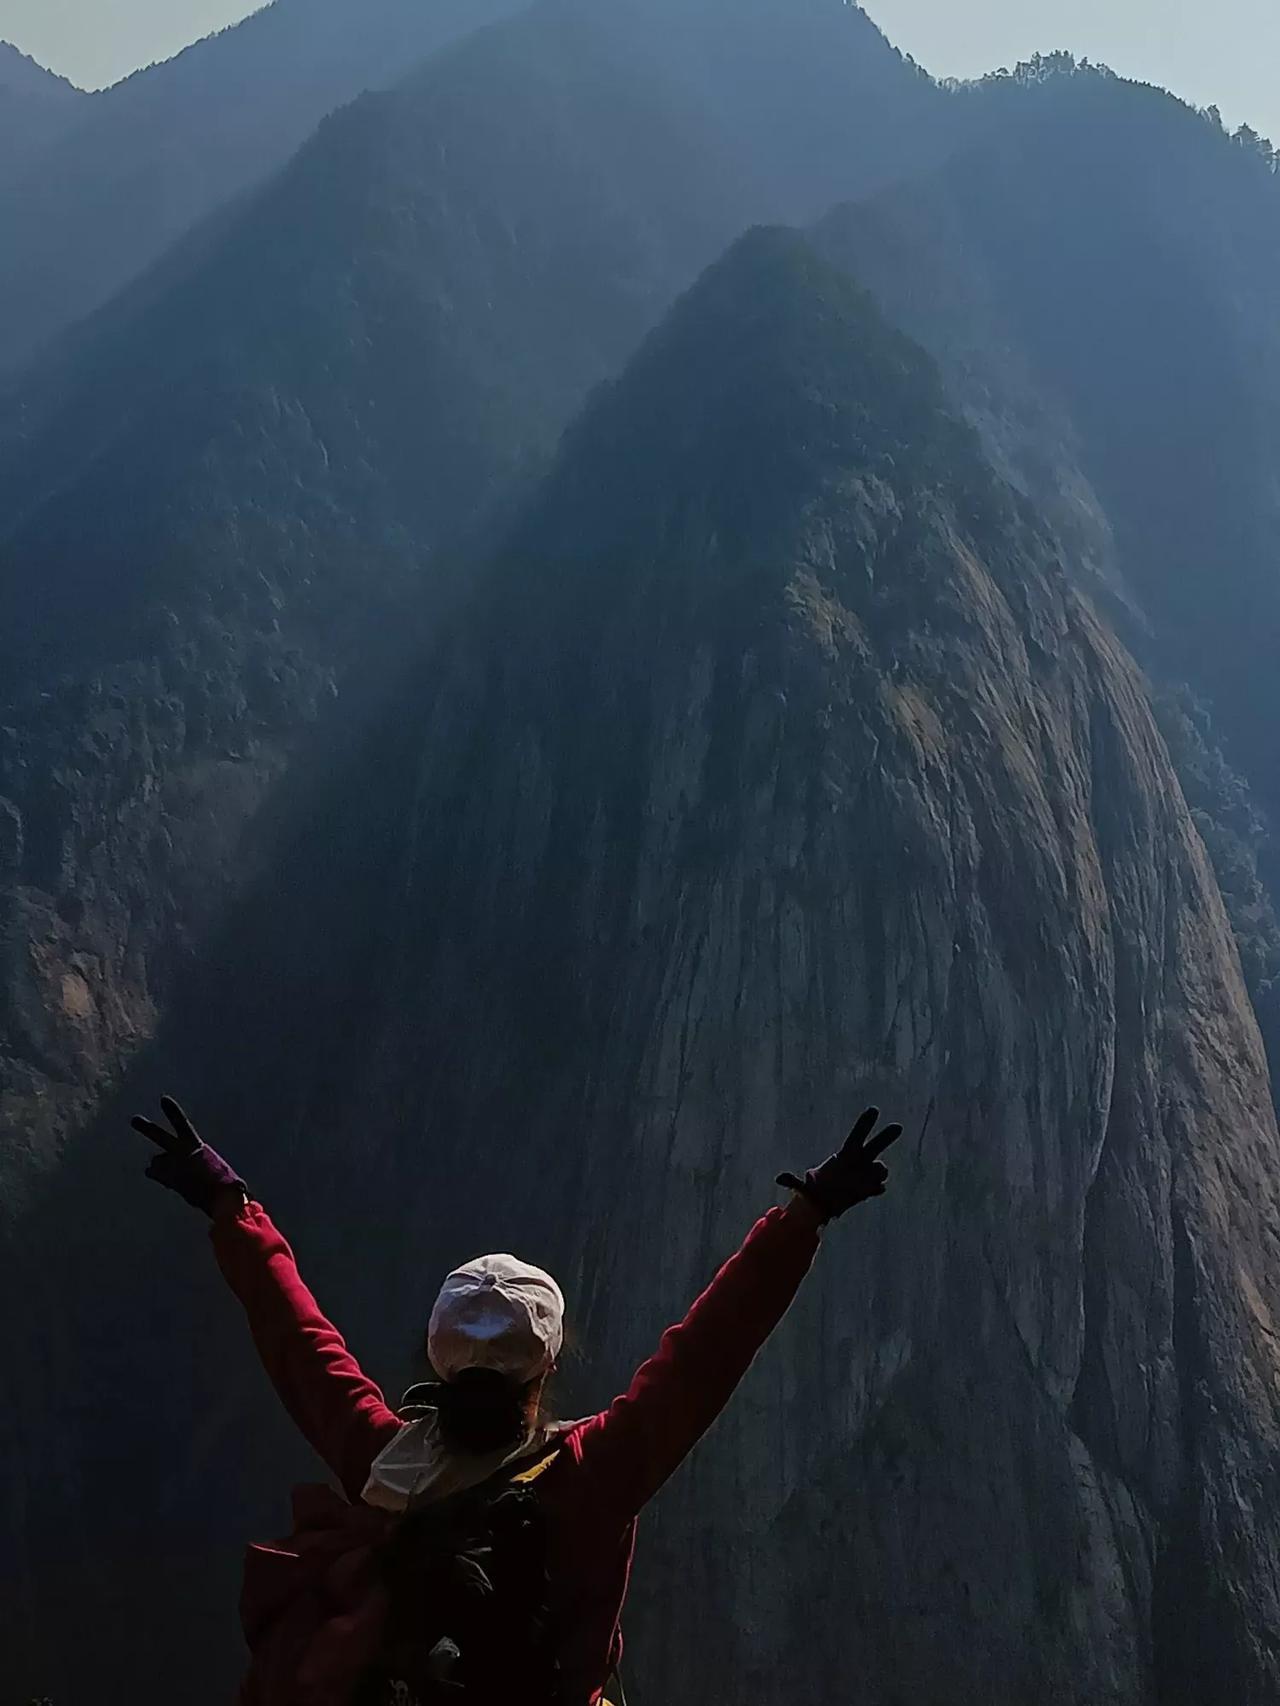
(1117,346)
(710,848)
(1112,348)
(127,796)
(706,825)
(765,778)
(257,475)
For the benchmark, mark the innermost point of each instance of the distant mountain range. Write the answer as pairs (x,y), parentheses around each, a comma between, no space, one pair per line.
(146,160)
(564,619)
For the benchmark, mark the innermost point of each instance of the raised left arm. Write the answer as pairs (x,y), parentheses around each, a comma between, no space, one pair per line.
(339,1410)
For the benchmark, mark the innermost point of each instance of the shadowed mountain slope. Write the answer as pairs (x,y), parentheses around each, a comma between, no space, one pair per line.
(777,764)
(151,157)
(250,481)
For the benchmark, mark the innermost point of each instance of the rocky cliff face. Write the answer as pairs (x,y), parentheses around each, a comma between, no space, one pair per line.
(866,799)
(232,501)
(779,765)
(1092,278)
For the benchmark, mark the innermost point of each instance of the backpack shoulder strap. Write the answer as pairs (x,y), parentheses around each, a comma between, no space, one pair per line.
(535,1470)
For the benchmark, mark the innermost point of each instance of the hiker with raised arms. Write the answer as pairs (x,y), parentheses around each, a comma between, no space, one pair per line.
(479,1551)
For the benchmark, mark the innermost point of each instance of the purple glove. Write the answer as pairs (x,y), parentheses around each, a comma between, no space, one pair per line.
(196,1172)
(853,1175)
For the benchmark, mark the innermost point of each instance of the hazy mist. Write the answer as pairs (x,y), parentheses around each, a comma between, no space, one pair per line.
(1223,54)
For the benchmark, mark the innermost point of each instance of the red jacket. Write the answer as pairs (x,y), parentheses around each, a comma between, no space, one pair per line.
(312,1605)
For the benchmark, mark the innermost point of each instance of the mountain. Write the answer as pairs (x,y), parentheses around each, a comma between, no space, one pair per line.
(151,157)
(167,147)
(776,764)
(783,754)
(866,798)
(233,504)
(1094,276)
(246,490)
(35,107)
(808,94)
(241,488)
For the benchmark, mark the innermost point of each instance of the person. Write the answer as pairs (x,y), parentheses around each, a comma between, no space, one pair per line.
(478,1551)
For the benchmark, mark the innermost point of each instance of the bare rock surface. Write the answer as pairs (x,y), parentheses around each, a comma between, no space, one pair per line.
(754,786)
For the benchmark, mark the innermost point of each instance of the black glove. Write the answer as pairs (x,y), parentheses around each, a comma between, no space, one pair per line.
(197,1173)
(853,1175)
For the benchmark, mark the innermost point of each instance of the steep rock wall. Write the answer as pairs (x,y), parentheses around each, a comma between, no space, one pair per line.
(759,784)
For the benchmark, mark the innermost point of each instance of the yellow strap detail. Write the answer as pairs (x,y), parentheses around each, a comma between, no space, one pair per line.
(528,1476)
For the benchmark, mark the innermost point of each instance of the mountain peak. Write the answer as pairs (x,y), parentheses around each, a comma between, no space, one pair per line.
(775,373)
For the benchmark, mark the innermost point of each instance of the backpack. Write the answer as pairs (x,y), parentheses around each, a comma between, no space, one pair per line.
(468,1622)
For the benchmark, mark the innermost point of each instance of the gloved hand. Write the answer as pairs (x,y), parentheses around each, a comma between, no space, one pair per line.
(197,1173)
(853,1175)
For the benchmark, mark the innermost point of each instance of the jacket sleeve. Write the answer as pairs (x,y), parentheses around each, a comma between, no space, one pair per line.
(341,1412)
(631,1449)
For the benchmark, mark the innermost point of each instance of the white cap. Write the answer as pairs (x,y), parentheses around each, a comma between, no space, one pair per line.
(500,1314)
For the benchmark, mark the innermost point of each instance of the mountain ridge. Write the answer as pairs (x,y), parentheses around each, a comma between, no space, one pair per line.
(175,141)
(779,755)
(248,473)
(868,804)
(855,768)
(1061,324)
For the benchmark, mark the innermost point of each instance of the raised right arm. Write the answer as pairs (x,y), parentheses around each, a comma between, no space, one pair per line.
(631,1449)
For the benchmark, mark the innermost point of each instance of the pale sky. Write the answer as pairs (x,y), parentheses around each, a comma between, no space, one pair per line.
(1222,52)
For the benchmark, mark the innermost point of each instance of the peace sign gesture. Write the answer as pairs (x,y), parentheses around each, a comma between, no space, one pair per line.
(184,1139)
(853,1175)
(186,1165)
